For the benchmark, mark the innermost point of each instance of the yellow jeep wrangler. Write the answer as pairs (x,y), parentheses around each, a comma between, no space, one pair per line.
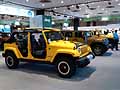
(46,46)
(99,45)
(108,35)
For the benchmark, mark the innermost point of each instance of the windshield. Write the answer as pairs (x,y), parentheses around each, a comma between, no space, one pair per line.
(98,33)
(53,36)
(88,34)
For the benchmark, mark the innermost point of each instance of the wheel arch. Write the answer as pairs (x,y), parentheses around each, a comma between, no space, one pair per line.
(9,51)
(96,43)
(61,55)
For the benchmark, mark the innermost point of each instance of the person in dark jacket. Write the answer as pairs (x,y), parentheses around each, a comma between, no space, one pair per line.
(116,40)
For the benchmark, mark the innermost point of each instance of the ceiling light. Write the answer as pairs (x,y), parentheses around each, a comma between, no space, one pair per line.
(18,19)
(116,0)
(50,13)
(27,0)
(119,4)
(88,16)
(98,6)
(86,11)
(103,9)
(64,10)
(92,3)
(104,19)
(43,5)
(62,1)
(65,24)
(17,23)
(55,8)
(53,22)
(83,4)
(72,6)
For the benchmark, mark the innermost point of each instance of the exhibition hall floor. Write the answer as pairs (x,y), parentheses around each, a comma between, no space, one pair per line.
(102,74)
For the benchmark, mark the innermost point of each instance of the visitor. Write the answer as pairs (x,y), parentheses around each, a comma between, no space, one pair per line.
(116,40)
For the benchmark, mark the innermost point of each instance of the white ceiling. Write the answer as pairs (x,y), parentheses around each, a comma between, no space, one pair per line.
(83,11)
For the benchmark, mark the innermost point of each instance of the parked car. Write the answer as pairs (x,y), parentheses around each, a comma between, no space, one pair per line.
(108,35)
(98,44)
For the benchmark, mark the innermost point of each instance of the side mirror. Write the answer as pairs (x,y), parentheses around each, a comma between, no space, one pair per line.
(49,40)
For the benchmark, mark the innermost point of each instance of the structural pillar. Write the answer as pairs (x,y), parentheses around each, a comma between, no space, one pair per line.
(76,24)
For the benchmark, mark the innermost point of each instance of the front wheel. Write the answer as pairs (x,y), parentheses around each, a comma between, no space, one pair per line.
(65,67)
(11,61)
(98,50)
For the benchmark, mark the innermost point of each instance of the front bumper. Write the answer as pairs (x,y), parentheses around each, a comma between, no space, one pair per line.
(85,59)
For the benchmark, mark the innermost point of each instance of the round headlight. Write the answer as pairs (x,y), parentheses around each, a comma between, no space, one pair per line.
(74,47)
(79,49)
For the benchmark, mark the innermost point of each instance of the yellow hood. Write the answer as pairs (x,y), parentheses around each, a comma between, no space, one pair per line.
(63,44)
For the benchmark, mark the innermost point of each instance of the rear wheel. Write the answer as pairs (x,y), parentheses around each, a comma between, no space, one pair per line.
(11,61)
(65,67)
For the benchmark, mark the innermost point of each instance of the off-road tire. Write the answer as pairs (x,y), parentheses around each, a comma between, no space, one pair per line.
(11,61)
(98,49)
(65,67)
